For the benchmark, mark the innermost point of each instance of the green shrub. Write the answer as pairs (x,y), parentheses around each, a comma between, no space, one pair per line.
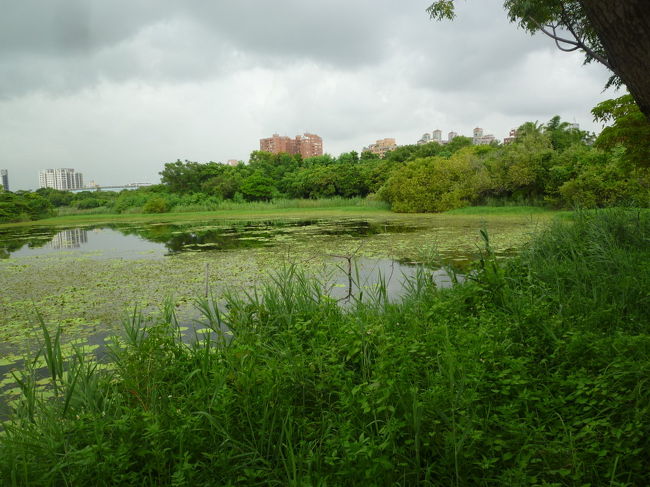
(155,205)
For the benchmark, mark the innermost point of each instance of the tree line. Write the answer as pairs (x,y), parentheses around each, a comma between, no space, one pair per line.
(551,164)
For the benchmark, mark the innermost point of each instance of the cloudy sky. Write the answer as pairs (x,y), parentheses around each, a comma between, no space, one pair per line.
(117,88)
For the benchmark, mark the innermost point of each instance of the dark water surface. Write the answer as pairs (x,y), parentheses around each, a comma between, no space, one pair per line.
(157,240)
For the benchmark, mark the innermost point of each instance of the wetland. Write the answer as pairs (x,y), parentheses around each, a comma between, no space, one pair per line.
(85,278)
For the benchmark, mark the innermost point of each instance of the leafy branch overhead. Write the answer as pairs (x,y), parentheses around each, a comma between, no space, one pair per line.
(615,34)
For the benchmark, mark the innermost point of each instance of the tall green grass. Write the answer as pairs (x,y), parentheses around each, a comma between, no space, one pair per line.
(228,205)
(497,210)
(278,204)
(532,372)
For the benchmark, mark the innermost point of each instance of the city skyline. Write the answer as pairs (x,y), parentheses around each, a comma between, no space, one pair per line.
(108,89)
(311,143)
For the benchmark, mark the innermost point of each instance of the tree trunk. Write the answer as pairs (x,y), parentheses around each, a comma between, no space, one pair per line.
(623,27)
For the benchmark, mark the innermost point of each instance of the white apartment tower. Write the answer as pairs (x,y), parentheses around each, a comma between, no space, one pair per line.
(4,180)
(436,136)
(63,179)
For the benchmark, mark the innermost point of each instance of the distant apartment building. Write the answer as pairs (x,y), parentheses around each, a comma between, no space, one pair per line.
(435,136)
(426,138)
(232,162)
(511,137)
(307,145)
(479,138)
(451,136)
(4,176)
(381,147)
(64,179)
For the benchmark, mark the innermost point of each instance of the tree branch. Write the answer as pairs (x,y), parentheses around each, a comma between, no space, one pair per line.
(561,48)
(577,43)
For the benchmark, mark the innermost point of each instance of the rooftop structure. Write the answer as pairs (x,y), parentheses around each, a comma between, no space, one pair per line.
(307,145)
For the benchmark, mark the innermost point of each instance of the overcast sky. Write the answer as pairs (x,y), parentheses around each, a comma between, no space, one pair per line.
(117,88)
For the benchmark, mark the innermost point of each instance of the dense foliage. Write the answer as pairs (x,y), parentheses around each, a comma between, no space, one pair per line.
(552,164)
(23,206)
(532,372)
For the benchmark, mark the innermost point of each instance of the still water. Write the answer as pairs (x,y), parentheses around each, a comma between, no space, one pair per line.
(157,240)
(85,279)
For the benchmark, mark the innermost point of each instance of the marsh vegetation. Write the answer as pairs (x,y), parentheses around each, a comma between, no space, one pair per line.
(532,372)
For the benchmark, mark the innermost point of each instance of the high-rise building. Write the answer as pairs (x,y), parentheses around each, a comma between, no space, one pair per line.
(482,139)
(4,176)
(381,147)
(63,179)
(426,138)
(307,145)
(451,136)
(311,145)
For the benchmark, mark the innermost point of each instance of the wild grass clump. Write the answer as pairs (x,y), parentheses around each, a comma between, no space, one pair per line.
(279,204)
(529,373)
(498,210)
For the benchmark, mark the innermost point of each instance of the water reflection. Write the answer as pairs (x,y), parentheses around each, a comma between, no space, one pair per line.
(127,241)
(69,239)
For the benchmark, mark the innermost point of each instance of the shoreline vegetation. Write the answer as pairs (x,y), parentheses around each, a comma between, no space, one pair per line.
(531,372)
(552,165)
(324,208)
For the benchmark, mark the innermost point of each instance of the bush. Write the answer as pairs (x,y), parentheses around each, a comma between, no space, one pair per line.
(23,206)
(155,205)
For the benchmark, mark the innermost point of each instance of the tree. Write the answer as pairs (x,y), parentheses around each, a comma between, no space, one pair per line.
(629,130)
(433,184)
(563,135)
(615,33)
(257,187)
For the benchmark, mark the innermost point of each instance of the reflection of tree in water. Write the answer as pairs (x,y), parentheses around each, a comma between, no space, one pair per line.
(14,240)
(251,234)
(200,235)
(178,238)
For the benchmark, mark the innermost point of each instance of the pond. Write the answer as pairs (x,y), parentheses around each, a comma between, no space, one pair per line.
(86,278)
